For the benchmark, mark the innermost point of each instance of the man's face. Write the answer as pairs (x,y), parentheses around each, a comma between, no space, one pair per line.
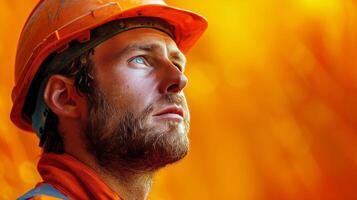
(139,119)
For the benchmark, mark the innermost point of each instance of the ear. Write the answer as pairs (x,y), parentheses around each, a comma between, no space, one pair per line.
(62,98)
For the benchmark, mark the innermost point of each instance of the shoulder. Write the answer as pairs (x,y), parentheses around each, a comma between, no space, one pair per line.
(44,197)
(43,191)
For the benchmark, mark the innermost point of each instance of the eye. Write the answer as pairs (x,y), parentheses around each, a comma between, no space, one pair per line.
(139,60)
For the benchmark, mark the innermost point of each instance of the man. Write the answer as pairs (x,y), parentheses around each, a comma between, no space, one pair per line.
(101,83)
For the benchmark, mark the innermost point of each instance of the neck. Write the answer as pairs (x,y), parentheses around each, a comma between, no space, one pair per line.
(129,185)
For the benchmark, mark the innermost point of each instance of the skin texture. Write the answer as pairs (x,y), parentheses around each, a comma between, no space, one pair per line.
(123,136)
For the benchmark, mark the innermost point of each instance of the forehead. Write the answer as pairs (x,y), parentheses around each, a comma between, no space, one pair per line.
(141,38)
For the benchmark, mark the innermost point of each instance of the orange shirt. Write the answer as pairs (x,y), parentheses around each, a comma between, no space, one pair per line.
(72,178)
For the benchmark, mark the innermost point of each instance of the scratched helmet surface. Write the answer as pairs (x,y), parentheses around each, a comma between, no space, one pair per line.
(53,24)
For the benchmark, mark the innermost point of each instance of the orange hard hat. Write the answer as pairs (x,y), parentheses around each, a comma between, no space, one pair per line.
(53,24)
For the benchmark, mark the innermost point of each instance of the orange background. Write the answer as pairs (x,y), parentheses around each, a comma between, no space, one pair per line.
(273,95)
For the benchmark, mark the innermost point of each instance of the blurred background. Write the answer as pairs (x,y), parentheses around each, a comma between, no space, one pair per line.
(273,96)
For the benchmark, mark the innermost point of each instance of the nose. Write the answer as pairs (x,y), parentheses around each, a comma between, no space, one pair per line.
(173,80)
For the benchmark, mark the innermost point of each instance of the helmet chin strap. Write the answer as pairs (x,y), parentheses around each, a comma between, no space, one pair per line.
(40,115)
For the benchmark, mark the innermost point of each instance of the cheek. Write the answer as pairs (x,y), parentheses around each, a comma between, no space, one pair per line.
(83,108)
(133,89)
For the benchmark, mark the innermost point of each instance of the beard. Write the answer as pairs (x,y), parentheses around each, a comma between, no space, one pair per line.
(121,139)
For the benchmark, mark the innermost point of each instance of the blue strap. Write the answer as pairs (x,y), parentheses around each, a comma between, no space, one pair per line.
(41,111)
(44,189)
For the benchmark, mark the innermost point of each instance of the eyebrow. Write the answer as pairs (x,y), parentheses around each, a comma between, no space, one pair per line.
(151,47)
(140,46)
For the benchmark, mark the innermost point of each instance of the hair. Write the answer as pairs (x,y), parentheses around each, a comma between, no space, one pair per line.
(80,70)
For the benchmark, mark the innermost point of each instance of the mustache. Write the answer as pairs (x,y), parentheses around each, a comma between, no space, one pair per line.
(167,99)
(179,100)
(173,99)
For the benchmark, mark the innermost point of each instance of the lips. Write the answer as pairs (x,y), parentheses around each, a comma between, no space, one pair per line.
(170,110)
